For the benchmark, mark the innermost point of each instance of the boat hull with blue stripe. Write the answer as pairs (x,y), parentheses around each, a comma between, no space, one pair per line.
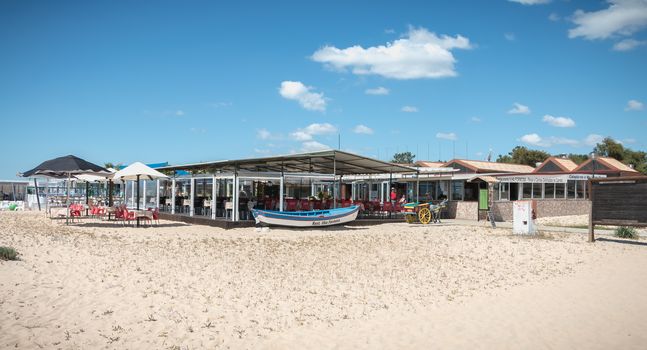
(313,218)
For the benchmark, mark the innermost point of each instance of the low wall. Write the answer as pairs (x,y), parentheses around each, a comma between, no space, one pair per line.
(462,210)
(545,208)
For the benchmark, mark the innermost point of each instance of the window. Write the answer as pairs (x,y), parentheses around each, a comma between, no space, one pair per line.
(549,191)
(427,190)
(581,189)
(570,189)
(536,191)
(443,190)
(457,190)
(526,190)
(559,191)
(505,191)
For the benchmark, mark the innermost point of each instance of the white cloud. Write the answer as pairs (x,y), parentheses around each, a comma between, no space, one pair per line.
(536,140)
(630,140)
(509,36)
(621,18)
(634,105)
(306,134)
(363,129)
(475,119)
(530,2)
(418,54)
(198,130)
(389,31)
(628,44)
(263,134)
(301,136)
(554,17)
(179,113)
(532,139)
(409,109)
(593,139)
(447,136)
(377,91)
(296,90)
(560,122)
(519,109)
(262,151)
(320,129)
(312,146)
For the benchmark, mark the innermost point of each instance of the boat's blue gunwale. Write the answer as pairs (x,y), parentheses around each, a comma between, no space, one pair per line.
(291,215)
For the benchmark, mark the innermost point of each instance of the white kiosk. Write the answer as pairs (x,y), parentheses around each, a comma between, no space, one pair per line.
(523,222)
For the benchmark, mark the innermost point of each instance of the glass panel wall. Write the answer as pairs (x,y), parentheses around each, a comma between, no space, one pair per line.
(570,189)
(559,191)
(443,189)
(526,190)
(536,190)
(457,190)
(549,191)
(505,191)
(581,189)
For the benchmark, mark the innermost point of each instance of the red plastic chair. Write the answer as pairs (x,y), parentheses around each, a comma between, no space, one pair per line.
(291,205)
(305,205)
(128,215)
(316,205)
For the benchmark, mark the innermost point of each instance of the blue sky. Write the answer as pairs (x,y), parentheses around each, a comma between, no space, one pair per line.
(194,81)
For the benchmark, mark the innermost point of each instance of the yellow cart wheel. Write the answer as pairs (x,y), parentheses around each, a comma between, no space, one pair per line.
(411,218)
(424,215)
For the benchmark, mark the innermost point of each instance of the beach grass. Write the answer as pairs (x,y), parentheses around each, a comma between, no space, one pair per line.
(8,253)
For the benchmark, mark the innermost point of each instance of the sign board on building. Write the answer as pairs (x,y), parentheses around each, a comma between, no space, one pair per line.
(547,179)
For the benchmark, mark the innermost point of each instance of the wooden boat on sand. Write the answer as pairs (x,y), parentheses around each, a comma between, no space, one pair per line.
(313,218)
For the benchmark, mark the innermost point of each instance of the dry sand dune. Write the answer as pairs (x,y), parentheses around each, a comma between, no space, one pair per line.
(185,287)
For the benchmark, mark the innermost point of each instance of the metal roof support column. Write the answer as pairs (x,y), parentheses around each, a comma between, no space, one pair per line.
(132,194)
(173,194)
(214,194)
(236,194)
(334,180)
(281,191)
(157,193)
(417,186)
(144,192)
(192,197)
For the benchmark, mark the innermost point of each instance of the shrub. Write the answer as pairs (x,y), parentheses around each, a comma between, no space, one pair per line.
(8,253)
(626,232)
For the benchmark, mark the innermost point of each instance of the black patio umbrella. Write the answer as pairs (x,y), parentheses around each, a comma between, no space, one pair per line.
(65,167)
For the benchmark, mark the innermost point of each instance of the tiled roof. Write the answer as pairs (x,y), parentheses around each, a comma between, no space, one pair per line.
(616,164)
(428,164)
(566,163)
(494,166)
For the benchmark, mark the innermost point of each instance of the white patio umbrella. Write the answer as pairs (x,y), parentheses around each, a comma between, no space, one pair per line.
(138,171)
(88,178)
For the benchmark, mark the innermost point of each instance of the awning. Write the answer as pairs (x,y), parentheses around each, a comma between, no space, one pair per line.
(322,162)
(485,178)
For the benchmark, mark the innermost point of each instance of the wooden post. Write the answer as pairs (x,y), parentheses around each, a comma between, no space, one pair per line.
(173,195)
(37,197)
(157,193)
(591,225)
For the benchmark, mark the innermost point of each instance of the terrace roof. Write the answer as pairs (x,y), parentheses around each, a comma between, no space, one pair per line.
(322,162)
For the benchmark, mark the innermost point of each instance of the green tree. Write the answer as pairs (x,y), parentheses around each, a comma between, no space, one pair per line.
(523,155)
(577,158)
(610,148)
(403,158)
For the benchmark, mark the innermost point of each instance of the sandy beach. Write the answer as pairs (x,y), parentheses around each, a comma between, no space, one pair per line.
(175,286)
